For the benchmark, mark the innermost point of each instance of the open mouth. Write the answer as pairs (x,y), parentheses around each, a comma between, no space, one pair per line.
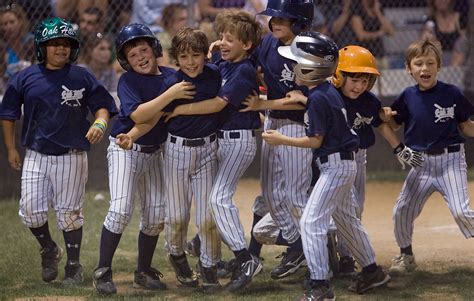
(425,76)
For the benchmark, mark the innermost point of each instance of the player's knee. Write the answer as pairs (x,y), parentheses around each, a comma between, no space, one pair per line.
(152,229)
(33,219)
(69,220)
(117,221)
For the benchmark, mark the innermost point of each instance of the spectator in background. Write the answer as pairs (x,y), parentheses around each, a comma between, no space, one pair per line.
(97,57)
(118,15)
(210,8)
(253,7)
(174,17)
(90,21)
(72,9)
(150,12)
(444,23)
(36,10)
(370,25)
(338,26)
(460,51)
(16,42)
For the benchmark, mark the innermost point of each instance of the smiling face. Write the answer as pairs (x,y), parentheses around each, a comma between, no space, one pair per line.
(232,49)
(58,52)
(424,70)
(281,29)
(141,58)
(191,62)
(353,87)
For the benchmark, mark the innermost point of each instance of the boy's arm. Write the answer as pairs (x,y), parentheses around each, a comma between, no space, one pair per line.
(207,106)
(148,110)
(126,140)
(9,137)
(403,152)
(467,127)
(97,130)
(276,138)
(386,114)
(255,103)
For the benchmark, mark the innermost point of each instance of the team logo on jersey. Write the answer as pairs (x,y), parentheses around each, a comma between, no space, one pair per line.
(224,80)
(71,97)
(287,76)
(360,120)
(444,114)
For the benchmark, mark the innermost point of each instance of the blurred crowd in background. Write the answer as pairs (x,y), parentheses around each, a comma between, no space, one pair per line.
(385,27)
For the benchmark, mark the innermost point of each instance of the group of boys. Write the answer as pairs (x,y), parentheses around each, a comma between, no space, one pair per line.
(190,135)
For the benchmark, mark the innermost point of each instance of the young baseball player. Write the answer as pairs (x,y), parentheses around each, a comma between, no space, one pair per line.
(334,143)
(433,114)
(355,75)
(190,161)
(55,97)
(239,34)
(138,169)
(285,170)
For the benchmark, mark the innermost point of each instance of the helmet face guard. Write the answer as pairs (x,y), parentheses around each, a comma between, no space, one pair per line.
(132,32)
(316,56)
(55,28)
(301,12)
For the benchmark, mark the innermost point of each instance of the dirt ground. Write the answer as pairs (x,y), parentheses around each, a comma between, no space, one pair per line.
(436,237)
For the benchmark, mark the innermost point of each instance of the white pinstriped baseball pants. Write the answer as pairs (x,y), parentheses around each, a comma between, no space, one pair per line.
(331,197)
(190,173)
(58,181)
(234,157)
(447,174)
(132,172)
(286,177)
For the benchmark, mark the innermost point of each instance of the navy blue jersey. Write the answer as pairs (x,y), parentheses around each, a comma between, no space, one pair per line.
(239,80)
(207,84)
(431,117)
(362,115)
(55,106)
(327,117)
(134,89)
(278,74)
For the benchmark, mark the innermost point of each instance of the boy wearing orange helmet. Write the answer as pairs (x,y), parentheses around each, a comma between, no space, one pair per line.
(355,75)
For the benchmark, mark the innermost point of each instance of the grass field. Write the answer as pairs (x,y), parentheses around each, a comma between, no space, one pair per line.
(20,273)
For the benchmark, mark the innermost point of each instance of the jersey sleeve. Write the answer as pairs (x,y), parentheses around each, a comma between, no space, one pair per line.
(240,85)
(400,106)
(99,97)
(10,106)
(375,107)
(464,108)
(317,121)
(128,95)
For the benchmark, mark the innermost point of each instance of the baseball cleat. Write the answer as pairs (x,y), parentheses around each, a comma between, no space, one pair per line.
(184,274)
(50,258)
(243,273)
(367,281)
(318,291)
(210,284)
(290,263)
(102,281)
(149,279)
(73,273)
(402,264)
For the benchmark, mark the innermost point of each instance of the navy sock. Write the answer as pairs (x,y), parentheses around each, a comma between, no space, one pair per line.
(108,244)
(242,255)
(73,240)
(146,249)
(370,268)
(280,240)
(296,246)
(43,236)
(255,247)
(406,250)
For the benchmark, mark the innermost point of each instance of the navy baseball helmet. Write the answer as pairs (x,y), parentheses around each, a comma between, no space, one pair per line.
(299,11)
(131,32)
(316,56)
(55,28)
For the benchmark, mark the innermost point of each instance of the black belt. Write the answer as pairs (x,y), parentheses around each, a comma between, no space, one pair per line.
(342,155)
(194,142)
(232,135)
(440,151)
(148,149)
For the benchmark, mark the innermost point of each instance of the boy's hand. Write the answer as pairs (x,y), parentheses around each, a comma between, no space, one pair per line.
(252,102)
(272,137)
(295,97)
(14,159)
(124,141)
(408,156)
(94,135)
(386,114)
(169,115)
(182,90)
(215,46)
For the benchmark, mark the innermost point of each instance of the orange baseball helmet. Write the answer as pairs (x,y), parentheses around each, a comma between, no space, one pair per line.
(355,59)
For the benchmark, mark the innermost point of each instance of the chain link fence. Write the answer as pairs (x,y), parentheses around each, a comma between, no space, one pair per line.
(348,22)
